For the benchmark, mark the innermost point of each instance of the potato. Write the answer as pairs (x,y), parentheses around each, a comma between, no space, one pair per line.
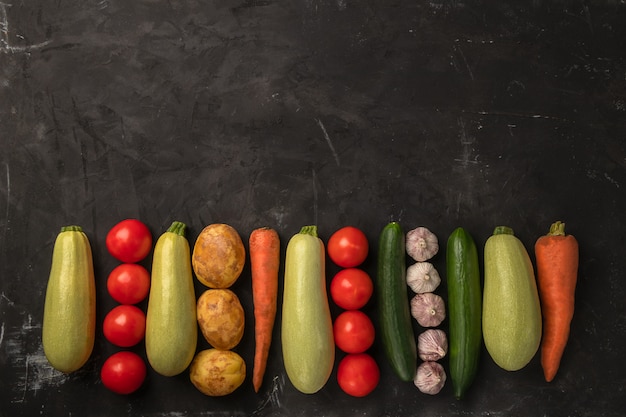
(218,256)
(221,318)
(216,372)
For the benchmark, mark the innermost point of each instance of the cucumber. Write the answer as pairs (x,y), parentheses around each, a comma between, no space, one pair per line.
(69,317)
(306,329)
(464,310)
(511,309)
(171,326)
(396,328)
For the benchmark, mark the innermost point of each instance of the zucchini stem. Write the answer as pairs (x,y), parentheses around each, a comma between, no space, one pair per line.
(71,228)
(178,228)
(309,230)
(557,229)
(503,230)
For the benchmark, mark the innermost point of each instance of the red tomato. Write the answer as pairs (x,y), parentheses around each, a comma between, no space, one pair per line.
(129,241)
(351,288)
(123,372)
(348,247)
(353,331)
(125,325)
(129,283)
(358,374)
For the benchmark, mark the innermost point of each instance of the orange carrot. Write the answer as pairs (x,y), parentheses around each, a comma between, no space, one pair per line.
(264,265)
(557,269)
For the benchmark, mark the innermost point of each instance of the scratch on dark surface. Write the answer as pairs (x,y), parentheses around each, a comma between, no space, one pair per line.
(329,141)
(314,175)
(6,220)
(5,44)
(520,115)
(272,398)
(469,69)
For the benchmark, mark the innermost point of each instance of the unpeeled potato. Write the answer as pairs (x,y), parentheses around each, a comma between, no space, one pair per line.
(218,256)
(221,318)
(216,372)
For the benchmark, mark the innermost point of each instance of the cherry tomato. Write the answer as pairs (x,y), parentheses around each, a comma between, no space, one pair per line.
(123,372)
(358,374)
(353,331)
(125,325)
(348,247)
(129,241)
(129,283)
(351,288)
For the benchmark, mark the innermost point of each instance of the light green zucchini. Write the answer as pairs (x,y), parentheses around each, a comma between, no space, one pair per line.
(171,326)
(306,329)
(69,318)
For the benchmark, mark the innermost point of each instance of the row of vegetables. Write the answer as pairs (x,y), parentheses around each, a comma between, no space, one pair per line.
(510,311)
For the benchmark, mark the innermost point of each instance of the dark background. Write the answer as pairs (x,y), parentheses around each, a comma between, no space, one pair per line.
(328,112)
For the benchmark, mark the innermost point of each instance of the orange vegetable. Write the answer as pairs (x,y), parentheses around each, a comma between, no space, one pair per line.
(264,265)
(557,269)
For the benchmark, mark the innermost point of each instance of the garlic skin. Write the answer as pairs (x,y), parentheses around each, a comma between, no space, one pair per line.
(422,277)
(432,345)
(428,309)
(430,377)
(421,244)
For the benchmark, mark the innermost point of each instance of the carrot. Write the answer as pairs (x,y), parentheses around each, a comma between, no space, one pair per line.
(557,269)
(264,265)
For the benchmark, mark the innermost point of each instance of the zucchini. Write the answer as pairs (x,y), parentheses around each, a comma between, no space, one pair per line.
(511,309)
(464,310)
(396,328)
(69,317)
(171,326)
(306,329)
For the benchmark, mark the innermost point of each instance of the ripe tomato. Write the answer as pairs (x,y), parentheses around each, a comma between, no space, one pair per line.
(129,241)
(129,283)
(351,288)
(125,325)
(348,247)
(358,374)
(353,331)
(123,372)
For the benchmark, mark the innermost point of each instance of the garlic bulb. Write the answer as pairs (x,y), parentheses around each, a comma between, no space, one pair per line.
(422,277)
(428,309)
(432,345)
(421,244)
(430,377)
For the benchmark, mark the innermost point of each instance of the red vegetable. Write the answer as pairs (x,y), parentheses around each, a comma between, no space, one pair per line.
(557,270)
(348,247)
(123,372)
(129,241)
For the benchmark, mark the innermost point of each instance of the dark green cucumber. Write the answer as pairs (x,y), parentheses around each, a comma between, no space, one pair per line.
(396,330)
(464,310)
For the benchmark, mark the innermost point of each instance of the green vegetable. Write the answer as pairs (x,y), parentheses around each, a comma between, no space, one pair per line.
(69,317)
(171,327)
(396,330)
(464,310)
(307,329)
(511,310)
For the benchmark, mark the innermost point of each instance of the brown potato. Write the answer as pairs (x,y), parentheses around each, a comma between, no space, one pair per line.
(218,256)
(216,372)
(221,318)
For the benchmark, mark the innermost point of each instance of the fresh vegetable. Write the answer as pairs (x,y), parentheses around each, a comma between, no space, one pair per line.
(129,241)
(428,309)
(218,256)
(430,377)
(216,372)
(129,283)
(557,269)
(348,247)
(221,318)
(464,310)
(123,372)
(351,288)
(396,329)
(307,328)
(264,267)
(353,331)
(171,327)
(125,325)
(432,345)
(69,317)
(421,244)
(422,277)
(358,374)
(511,311)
